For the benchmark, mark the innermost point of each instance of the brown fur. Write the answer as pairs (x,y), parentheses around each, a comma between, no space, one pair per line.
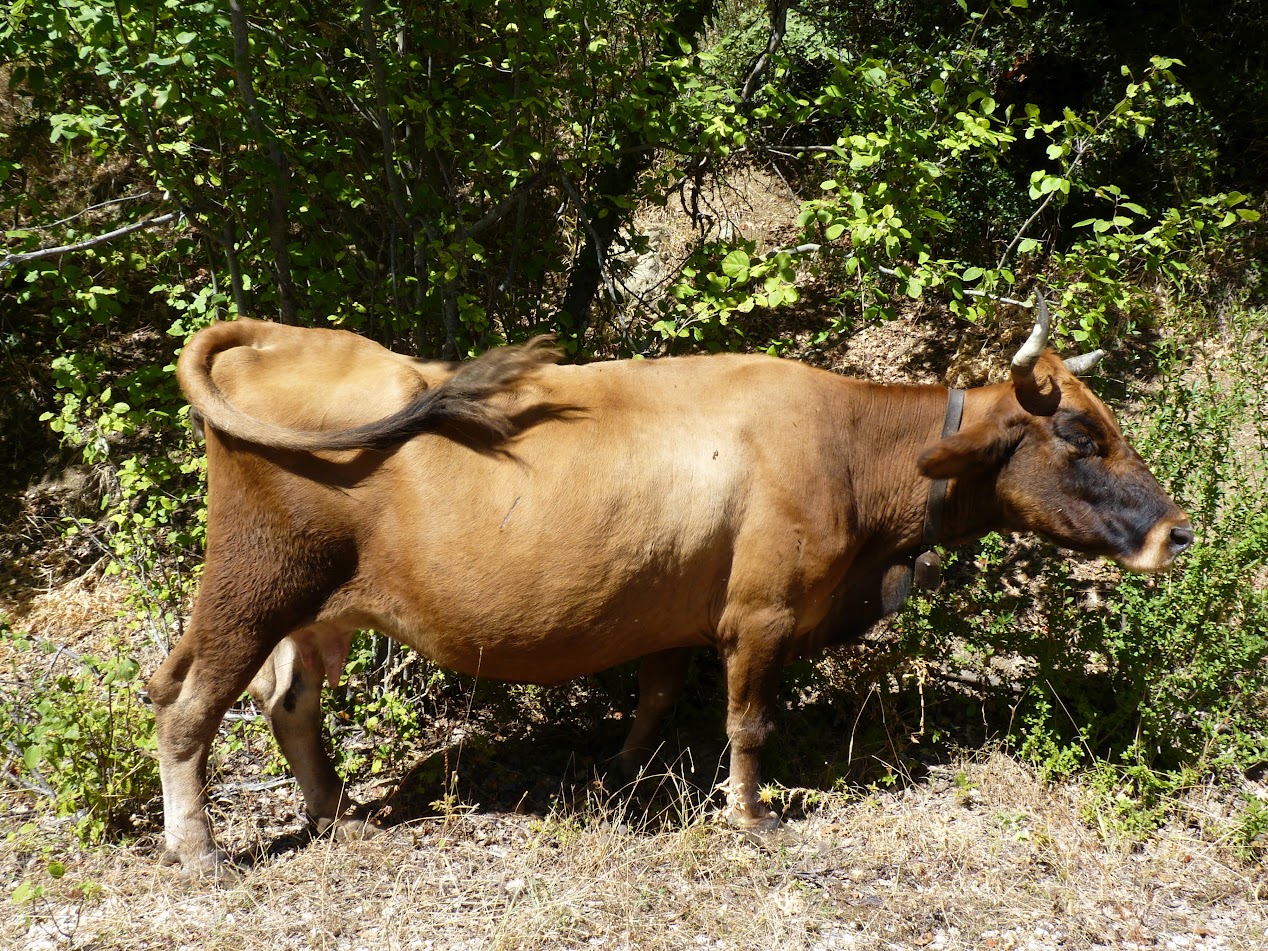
(633,509)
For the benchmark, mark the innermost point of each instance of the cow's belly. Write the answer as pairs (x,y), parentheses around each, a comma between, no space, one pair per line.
(552,567)
(533,645)
(546,621)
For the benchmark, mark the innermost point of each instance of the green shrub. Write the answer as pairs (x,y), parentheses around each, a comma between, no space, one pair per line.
(80,737)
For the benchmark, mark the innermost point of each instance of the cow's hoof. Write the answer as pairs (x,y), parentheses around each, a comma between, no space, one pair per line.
(352,828)
(756,820)
(213,866)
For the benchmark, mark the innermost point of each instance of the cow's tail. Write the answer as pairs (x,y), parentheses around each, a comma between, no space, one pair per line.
(463,399)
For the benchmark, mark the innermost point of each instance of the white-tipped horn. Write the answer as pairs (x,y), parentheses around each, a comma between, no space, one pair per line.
(1030,351)
(1084,363)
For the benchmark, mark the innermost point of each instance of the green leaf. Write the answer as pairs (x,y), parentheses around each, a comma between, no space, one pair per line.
(736,266)
(972,274)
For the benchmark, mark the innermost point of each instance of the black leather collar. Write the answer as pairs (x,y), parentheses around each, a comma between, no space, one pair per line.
(928,569)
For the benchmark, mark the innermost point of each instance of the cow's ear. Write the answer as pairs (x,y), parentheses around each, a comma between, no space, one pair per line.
(974,449)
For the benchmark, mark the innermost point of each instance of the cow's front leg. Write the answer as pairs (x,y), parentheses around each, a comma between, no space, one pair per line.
(288,689)
(753,661)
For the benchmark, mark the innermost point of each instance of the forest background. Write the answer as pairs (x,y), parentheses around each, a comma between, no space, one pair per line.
(643,179)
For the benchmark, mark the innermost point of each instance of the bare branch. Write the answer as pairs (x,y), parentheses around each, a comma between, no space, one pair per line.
(511,200)
(1078,157)
(9,260)
(80,214)
(778,26)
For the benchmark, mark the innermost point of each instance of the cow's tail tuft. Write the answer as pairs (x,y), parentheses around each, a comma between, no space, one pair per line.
(464,399)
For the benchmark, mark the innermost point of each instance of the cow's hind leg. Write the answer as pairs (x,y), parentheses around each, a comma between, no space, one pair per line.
(191,691)
(288,689)
(660,681)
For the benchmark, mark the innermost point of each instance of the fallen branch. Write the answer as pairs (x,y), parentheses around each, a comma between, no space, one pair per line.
(9,260)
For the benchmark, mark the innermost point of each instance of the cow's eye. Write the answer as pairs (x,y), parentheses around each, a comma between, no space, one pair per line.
(1082,443)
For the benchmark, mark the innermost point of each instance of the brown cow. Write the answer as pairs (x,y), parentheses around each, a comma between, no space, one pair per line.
(522,521)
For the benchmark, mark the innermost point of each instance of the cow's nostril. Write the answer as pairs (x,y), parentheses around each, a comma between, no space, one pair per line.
(1181,538)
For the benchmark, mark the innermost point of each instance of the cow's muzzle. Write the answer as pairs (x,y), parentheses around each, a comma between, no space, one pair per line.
(1181,538)
(1164,543)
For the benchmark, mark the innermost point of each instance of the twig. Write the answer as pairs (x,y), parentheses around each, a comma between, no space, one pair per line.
(970,292)
(515,196)
(228,239)
(1078,157)
(80,214)
(37,783)
(9,260)
(230,790)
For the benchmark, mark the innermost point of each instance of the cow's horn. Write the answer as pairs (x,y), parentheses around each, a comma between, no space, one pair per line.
(1084,364)
(1028,355)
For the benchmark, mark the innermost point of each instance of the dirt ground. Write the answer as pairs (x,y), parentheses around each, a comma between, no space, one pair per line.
(981,854)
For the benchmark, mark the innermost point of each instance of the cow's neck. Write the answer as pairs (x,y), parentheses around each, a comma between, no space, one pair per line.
(881,442)
(893,497)
(972,507)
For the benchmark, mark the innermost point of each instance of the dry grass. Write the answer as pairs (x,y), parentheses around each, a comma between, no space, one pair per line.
(982,855)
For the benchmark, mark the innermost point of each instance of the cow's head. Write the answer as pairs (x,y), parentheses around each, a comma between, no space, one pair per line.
(1060,466)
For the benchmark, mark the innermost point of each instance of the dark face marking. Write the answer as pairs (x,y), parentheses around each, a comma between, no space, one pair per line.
(1082,433)
(291,697)
(1075,479)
